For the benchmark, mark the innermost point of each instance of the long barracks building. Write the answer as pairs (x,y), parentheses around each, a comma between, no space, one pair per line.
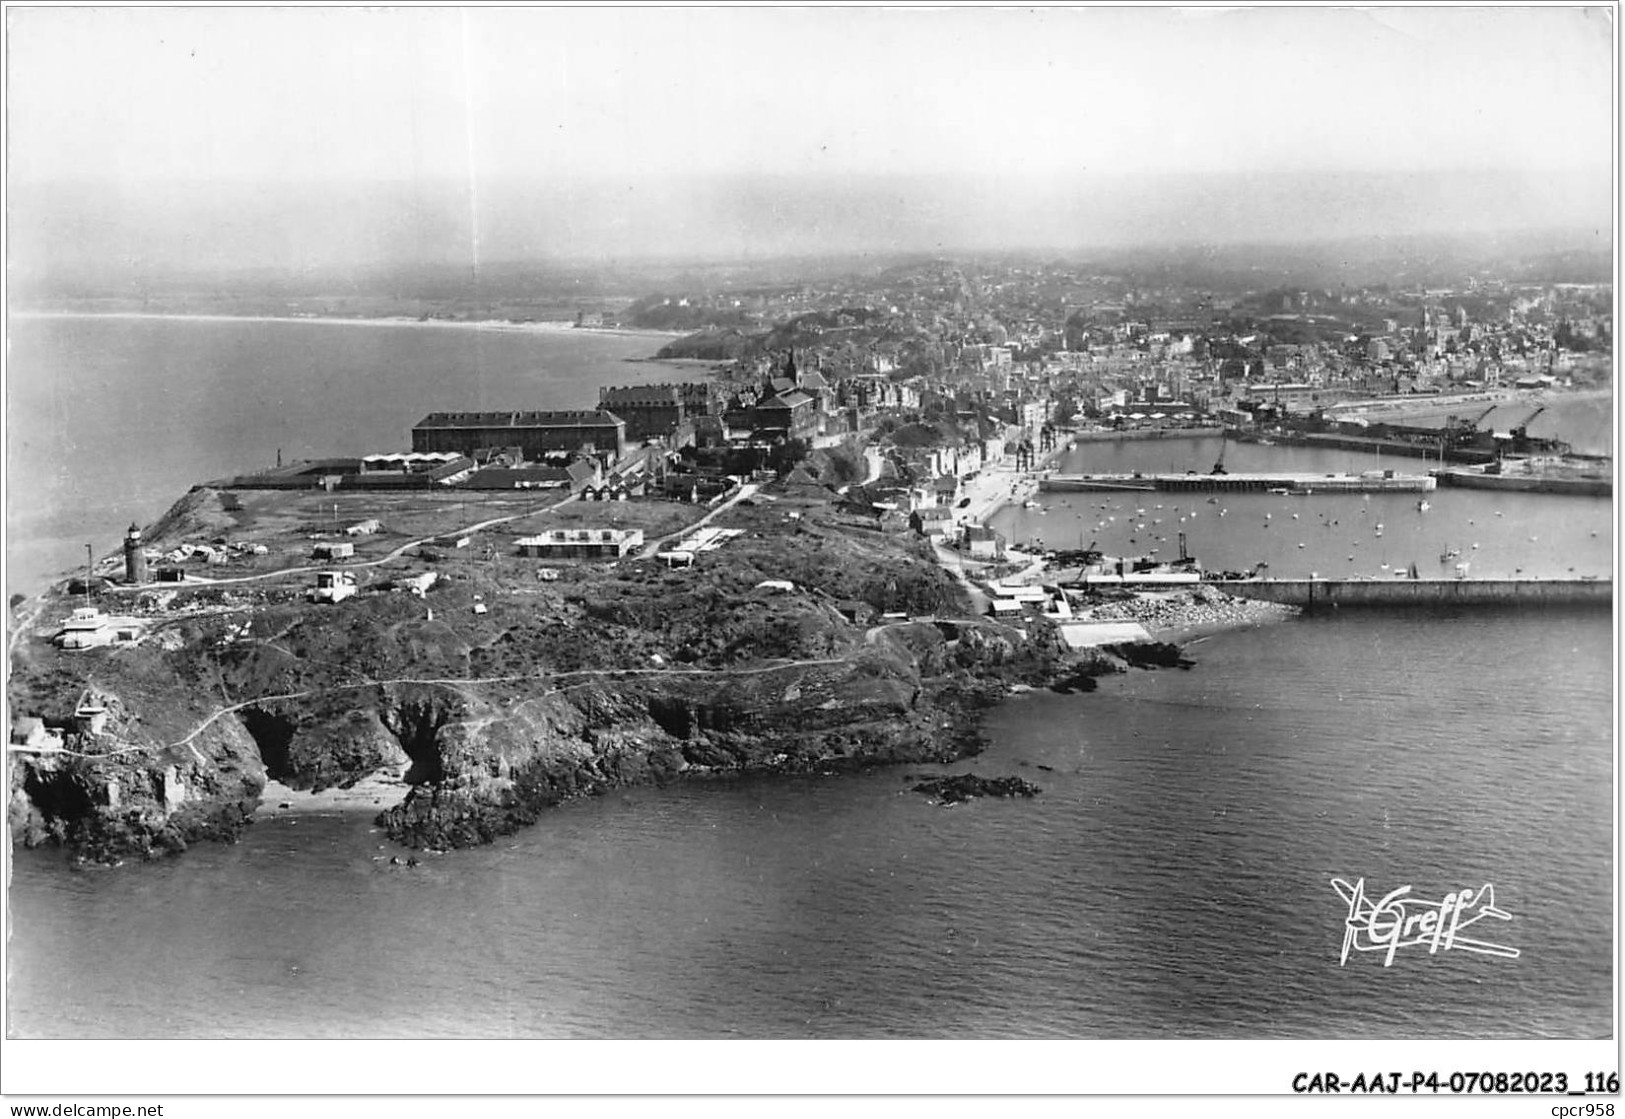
(534,433)
(653,411)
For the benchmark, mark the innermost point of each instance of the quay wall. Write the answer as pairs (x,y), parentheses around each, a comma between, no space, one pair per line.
(1316,594)
(1472,480)
(1148,433)
(1001,486)
(1240,483)
(1422,450)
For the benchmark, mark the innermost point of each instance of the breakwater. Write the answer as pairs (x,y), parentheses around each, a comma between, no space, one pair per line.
(1423,449)
(1318,594)
(1526,483)
(1374,481)
(1147,433)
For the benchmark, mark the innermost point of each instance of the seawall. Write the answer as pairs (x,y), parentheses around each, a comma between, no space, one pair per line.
(1317,594)
(1422,450)
(1370,482)
(1522,483)
(1133,434)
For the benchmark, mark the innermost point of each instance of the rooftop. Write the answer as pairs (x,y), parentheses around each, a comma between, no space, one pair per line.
(595,418)
(582,536)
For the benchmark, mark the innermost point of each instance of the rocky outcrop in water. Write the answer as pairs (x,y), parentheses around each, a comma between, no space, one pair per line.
(1151,654)
(967,786)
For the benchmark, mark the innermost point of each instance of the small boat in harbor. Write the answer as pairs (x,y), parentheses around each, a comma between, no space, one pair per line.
(1423,506)
(1449,554)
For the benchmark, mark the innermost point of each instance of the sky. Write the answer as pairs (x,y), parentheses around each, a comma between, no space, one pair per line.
(687,129)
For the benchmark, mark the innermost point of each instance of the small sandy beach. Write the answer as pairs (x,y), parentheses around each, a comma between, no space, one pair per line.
(370,795)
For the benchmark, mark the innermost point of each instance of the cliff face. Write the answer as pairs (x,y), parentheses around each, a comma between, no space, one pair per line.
(106,796)
(496,771)
(604,677)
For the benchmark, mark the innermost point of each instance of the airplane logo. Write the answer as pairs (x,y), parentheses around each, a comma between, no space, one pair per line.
(1398,920)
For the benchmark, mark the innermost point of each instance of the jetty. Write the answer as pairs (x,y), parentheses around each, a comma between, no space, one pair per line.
(1320,594)
(1130,434)
(1371,481)
(1580,485)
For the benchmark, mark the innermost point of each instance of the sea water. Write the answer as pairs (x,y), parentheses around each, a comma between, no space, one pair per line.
(1172,879)
(110,419)
(1342,535)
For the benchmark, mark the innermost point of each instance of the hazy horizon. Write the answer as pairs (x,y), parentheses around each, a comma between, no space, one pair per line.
(156,141)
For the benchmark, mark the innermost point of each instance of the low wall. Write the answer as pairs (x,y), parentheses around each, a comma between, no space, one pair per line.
(1521,483)
(1369,445)
(1315,594)
(1250,482)
(1148,433)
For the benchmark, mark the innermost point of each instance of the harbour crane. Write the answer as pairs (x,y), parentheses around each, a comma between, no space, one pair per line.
(1520,435)
(1466,431)
(1524,427)
(1087,556)
(1224,445)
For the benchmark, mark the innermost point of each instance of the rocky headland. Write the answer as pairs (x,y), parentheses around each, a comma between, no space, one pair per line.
(500,691)
(812,641)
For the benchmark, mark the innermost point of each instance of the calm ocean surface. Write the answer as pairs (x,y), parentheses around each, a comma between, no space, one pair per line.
(1172,880)
(1334,535)
(112,419)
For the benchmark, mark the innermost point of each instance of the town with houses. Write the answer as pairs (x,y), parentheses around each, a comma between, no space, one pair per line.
(939,371)
(899,390)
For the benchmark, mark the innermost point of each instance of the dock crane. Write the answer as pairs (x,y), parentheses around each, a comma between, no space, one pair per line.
(1521,441)
(1522,430)
(1088,556)
(1462,431)
(1224,445)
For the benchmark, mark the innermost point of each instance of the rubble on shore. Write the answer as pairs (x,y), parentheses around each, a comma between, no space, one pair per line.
(1173,616)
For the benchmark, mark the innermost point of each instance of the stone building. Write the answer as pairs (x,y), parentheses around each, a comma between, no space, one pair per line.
(658,411)
(534,433)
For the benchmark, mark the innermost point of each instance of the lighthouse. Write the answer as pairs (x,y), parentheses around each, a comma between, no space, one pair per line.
(135,560)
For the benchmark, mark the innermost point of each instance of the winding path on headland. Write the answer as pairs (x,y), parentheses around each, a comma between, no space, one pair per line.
(467,681)
(576,676)
(653,548)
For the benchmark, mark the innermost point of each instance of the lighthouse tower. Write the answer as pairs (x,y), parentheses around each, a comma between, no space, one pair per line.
(135,560)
